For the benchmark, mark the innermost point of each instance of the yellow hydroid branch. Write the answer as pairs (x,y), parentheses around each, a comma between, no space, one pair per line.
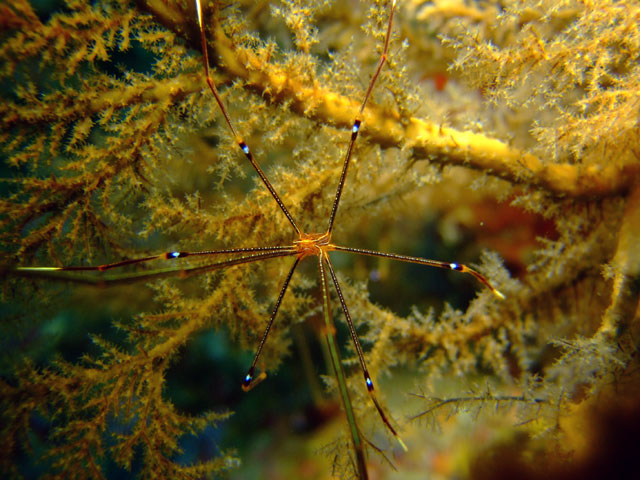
(386,128)
(428,140)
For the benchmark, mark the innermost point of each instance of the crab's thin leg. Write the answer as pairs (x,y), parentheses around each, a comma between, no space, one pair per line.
(238,139)
(163,256)
(334,354)
(359,352)
(358,121)
(249,381)
(68,274)
(457,267)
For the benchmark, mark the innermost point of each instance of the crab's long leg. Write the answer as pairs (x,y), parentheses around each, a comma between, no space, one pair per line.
(456,267)
(162,256)
(241,143)
(249,381)
(69,274)
(358,347)
(358,121)
(334,354)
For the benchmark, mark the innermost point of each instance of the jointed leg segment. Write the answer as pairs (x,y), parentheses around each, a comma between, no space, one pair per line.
(358,121)
(358,347)
(249,382)
(457,267)
(241,143)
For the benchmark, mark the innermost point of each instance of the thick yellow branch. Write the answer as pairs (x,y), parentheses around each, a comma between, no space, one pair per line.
(428,140)
(386,128)
(626,264)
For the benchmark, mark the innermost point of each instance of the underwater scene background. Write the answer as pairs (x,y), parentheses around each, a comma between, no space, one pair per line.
(500,134)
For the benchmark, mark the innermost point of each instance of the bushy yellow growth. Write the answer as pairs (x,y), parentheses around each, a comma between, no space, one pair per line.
(113,148)
(573,67)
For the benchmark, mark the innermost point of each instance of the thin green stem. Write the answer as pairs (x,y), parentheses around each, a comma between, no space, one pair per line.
(339,374)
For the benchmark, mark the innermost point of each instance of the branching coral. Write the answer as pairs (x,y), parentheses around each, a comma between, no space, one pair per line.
(113,148)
